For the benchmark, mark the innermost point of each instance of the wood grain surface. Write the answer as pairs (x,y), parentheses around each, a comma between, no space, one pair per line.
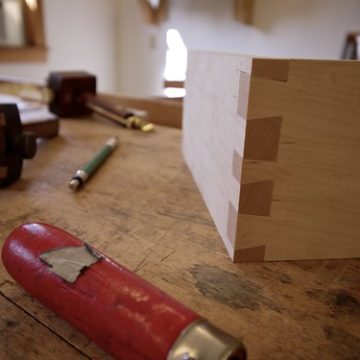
(143,209)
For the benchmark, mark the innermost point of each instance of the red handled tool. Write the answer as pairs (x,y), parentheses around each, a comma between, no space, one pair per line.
(125,315)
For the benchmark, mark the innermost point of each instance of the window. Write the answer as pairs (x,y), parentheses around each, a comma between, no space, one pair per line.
(11,23)
(21,31)
(175,66)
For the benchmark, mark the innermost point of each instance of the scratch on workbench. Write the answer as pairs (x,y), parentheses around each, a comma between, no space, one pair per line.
(134,237)
(193,218)
(141,264)
(154,190)
(119,213)
(163,236)
(168,255)
(6,282)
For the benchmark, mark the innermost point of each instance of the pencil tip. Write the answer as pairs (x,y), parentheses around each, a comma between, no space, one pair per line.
(74,184)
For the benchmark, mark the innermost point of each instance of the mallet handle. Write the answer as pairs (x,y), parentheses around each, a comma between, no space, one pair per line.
(126,117)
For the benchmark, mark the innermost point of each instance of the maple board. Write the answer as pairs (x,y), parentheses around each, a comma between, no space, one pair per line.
(274,148)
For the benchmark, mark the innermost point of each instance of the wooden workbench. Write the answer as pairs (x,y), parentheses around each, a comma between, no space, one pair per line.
(143,209)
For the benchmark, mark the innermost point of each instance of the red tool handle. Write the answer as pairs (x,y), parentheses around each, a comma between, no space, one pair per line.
(125,315)
(122,313)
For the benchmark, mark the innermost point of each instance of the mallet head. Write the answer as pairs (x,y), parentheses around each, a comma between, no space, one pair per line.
(70,89)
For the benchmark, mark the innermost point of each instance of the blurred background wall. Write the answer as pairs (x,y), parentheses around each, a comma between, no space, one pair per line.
(281,28)
(80,35)
(111,38)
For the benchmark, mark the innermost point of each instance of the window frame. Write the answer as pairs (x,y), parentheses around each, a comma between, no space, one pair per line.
(35,49)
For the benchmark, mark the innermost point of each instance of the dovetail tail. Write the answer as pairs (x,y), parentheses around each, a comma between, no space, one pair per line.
(273,69)
(262,139)
(252,254)
(256,198)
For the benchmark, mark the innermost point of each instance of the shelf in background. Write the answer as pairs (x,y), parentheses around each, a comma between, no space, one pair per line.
(23,54)
(243,11)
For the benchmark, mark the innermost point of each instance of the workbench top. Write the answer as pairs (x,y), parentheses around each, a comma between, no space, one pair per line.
(143,209)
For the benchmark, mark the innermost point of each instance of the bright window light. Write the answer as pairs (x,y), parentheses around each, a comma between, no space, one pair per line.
(176,56)
(171,92)
(154,3)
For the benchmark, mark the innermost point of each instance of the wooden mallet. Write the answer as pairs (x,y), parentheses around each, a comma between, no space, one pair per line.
(73,94)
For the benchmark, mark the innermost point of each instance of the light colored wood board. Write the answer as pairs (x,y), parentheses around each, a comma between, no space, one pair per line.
(237,162)
(274,69)
(316,202)
(143,209)
(302,136)
(23,337)
(212,131)
(262,139)
(256,198)
(257,171)
(252,254)
(243,100)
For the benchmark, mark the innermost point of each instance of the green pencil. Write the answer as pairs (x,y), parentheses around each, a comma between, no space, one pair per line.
(88,169)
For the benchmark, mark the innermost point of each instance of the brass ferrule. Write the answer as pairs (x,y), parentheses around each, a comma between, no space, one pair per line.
(138,123)
(134,122)
(201,340)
